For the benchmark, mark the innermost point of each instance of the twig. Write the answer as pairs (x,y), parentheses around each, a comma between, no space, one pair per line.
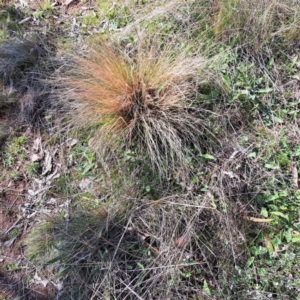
(25,20)
(131,290)
(13,226)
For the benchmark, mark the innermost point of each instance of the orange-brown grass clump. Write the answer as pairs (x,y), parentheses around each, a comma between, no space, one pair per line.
(147,104)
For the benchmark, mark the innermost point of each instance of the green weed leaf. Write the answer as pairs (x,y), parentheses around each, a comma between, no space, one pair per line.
(276,119)
(52,261)
(264,91)
(272,166)
(296,239)
(264,212)
(252,154)
(141,266)
(294,61)
(288,236)
(250,261)
(207,156)
(279,214)
(295,77)
(206,287)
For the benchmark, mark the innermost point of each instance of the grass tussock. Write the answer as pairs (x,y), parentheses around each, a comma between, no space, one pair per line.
(259,26)
(24,66)
(135,253)
(149,100)
(254,24)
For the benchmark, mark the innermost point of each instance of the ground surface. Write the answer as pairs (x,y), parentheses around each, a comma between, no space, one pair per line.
(228,231)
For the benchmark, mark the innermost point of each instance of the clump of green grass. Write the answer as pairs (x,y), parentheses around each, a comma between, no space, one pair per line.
(40,243)
(147,103)
(90,20)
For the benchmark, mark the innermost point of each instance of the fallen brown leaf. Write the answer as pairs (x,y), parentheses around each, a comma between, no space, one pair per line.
(294,172)
(68,2)
(181,241)
(47,167)
(38,280)
(36,157)
(8,243)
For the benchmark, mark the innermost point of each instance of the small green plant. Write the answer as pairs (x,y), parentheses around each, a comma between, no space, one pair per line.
(64,185)
(87,162)
(14,151)
(15,175)
(39,14)
(91,20)
(118,13)
(43,7)
(33,169)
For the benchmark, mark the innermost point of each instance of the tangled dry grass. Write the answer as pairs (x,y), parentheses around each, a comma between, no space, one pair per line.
(134,247)
(25,65)
(256,24)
